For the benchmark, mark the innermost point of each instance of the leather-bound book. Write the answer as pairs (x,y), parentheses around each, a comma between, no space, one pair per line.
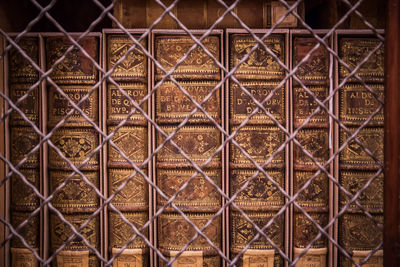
(199,139)
(259,75)
(75,138)
(314,138)
(24,152)
(360,162)
(132,139)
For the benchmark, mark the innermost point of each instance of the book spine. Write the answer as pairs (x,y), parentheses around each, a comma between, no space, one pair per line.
(260,75)
(360,165)
(132,140)
(313,138)
(199,138)
(22,76)
(75,139)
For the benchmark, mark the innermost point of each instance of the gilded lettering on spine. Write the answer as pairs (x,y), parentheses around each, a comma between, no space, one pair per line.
(59,106)
(304,106)
(29,106)
(242,105)
(119,105)
(172,105)
(357,105)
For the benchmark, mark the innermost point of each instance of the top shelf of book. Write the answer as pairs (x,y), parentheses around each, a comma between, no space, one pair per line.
(79,16)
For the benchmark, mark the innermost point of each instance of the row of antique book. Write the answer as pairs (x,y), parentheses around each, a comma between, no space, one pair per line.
(151,119)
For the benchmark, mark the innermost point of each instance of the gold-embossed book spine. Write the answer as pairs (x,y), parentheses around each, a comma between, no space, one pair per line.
(73,145)
(126,102)
(360,163)
(259,78)
(23,149)
(313,137)
(197,77)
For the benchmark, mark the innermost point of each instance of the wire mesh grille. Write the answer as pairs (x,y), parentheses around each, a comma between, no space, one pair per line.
(42,138)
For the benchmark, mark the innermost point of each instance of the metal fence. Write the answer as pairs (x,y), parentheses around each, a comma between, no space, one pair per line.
(328,230)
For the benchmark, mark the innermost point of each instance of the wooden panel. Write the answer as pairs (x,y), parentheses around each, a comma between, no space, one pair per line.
(392,137)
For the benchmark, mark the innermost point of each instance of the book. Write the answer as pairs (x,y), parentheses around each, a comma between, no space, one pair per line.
(313,138)
(260,74)
(23,141)
(199,139)
(360,162)
(75,139)
(132,139)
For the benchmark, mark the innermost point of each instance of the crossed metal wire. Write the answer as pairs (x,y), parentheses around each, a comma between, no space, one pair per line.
(229,138)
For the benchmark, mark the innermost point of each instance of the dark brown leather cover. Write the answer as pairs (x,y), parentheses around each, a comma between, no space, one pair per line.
(313,138)
(75,139)
(132,138)
(199,139)
(260,74)
(23,139)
